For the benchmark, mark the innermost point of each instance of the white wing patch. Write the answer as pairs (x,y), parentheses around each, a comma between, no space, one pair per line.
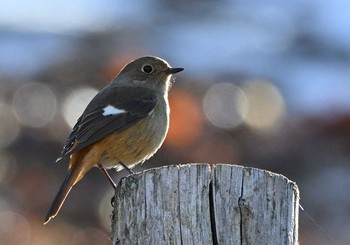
(111,110)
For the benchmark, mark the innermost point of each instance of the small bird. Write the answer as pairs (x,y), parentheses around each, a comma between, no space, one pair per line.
(122,126)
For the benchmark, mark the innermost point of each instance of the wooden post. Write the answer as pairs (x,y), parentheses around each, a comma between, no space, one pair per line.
(197,204)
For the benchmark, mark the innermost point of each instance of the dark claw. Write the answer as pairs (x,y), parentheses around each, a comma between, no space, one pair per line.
(126,167)
(113,201)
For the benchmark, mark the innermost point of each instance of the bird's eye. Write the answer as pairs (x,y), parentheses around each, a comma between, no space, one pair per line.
(147,69)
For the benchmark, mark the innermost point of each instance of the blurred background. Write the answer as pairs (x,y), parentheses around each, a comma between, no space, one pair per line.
(266,84)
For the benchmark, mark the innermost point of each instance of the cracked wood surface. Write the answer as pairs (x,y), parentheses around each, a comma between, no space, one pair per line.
(196,204)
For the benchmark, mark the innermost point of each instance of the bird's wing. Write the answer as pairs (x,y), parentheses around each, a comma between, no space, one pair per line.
(112,110)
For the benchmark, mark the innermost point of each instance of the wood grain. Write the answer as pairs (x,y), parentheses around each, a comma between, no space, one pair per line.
(199,204)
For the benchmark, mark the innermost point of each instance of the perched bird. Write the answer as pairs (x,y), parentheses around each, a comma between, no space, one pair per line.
(122,126)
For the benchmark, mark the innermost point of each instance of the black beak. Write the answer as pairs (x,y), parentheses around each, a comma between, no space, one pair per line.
(174,70)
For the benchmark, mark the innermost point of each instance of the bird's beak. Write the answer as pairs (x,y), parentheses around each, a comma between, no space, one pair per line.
(173,70)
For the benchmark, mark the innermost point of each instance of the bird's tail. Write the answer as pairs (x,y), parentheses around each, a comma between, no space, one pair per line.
(74,175)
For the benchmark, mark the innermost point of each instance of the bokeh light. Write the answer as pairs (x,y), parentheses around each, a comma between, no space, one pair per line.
(7,167)
(185,119)
(14,228)
(5,204)
(34,104)
(266,107)
(225,105)
(75,103)
(91,236)
(9,127)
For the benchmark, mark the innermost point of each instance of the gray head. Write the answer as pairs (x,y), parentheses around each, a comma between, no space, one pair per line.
(149,71)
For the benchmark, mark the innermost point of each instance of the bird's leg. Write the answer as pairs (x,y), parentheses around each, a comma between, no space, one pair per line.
(106,174)
(126,168)
(110,180)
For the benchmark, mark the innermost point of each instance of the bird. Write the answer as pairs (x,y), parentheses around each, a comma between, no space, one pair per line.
(123,125)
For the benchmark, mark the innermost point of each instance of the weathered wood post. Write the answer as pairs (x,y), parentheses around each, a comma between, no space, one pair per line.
(198,204)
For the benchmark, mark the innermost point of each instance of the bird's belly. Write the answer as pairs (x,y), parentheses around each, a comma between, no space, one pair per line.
(134,145)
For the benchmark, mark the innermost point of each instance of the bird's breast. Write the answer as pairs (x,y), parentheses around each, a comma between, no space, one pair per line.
(139,142)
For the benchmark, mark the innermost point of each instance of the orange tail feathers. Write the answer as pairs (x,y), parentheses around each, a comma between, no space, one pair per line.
(76,172)
(68,183)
